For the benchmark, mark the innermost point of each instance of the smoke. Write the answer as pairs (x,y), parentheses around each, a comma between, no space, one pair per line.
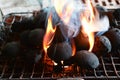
(70,11)
(71,26)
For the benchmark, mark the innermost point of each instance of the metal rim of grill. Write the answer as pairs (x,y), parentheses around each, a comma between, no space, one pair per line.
(108,68)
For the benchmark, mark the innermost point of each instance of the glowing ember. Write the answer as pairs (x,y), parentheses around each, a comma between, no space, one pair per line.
(49,35)
(92,23)
(73,48)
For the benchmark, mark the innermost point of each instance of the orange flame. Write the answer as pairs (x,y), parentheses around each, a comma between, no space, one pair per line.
(49,35)
(73,48)
(87,23)
(64,9)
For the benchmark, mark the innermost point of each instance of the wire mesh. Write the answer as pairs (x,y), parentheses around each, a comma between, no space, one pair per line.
(18,69)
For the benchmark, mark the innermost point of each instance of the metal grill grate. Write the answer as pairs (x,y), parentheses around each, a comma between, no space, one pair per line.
(17,69)
(108,4)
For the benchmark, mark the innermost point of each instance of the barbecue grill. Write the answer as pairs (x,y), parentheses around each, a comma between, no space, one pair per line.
(108,68)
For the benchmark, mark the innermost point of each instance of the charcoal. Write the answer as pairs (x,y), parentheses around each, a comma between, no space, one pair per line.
(38,20)
(81,42)
(11,49)
(36,37)
(25,24)
(60,51)
(3,38)
(116,14)
(87,60)
(24,39)
(102,46)
(114,36)
(32,55)
(58,37)
(41,18)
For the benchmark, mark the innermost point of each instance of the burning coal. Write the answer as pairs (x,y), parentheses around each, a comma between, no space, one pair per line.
(91,23)
(68,11)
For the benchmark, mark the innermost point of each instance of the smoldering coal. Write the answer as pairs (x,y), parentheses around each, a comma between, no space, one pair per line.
(102,46)
(11,49)
(36,37)
(81,42)
(60,51)
(58,37)
(114,36)
(86,59)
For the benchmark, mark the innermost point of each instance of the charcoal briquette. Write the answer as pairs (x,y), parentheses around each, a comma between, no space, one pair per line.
(24,39)
(114,36)
(36,37)
(11,49)
(60,51)
(87,60)
(102,46)
(81,42)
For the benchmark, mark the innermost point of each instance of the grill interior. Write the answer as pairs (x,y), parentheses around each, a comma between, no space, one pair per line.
(108,68)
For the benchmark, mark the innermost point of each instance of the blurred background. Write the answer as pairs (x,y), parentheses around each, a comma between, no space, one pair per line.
(8,6)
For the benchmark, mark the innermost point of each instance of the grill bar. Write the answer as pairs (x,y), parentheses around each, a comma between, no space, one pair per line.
(109,68)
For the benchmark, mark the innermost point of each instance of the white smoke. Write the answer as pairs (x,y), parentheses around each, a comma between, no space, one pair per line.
(72,28)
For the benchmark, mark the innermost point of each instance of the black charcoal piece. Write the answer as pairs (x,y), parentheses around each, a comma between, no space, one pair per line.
(24,39)
(11,49)
(114,36)
(86,59)
(102,46)
(116,14)
(58,37)
(60,51)
(32,55)
(36,37)
(81,42)
(25,24)
(40,20)
(3,38)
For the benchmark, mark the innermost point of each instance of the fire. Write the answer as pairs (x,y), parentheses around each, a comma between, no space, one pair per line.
(87,20)
(73,48)
(64,9)
(49,35)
